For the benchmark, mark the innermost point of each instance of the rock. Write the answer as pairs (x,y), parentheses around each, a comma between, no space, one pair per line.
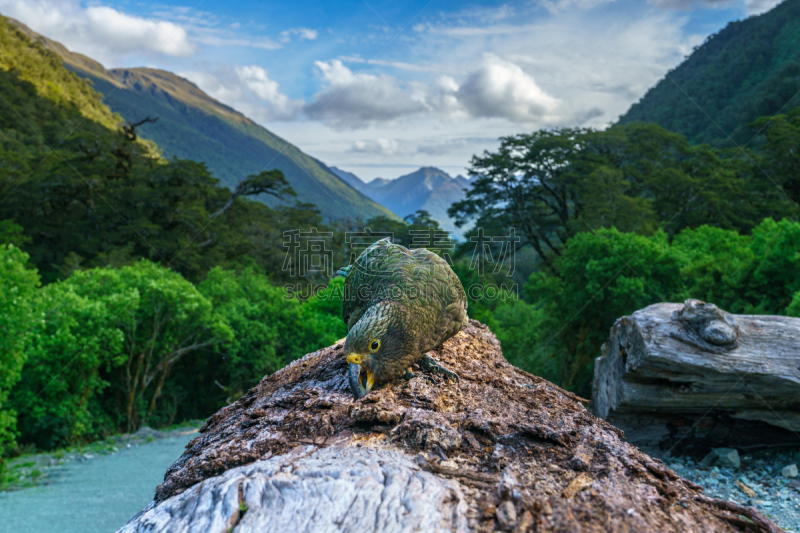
(145,432)
(495,451)
(789,471)
(506,515)
(690,377)
(726,457)
(750,493)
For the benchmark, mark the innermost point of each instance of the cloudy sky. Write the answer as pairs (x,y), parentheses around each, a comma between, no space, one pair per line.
(380,87)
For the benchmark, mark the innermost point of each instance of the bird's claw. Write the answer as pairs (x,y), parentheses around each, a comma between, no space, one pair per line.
(409,375)
(429,364)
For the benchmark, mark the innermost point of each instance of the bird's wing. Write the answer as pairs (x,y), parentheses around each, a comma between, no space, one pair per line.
(444,295)
(364,278)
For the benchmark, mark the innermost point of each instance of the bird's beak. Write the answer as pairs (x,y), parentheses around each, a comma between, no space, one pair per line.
(361,380)
(366,379)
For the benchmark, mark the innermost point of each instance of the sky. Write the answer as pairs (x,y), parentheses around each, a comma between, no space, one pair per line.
(381,88)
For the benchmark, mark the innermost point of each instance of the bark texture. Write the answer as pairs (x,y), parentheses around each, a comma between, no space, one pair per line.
(690,377)
(500,451)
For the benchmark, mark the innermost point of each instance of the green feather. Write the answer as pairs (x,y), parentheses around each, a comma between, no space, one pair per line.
(410,299)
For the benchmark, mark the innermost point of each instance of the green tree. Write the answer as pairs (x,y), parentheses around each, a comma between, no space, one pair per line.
(17,314)
(165,320)
(602,276)
(73,349)
(529,185)
(782,150)
(551,185)
(269,327)
(605,275)
(776,245)
(518,326)
(717,267)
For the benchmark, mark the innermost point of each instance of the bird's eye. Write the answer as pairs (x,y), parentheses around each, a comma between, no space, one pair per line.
(374,345)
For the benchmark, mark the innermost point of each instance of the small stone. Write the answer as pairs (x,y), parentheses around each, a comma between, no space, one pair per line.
(714,472)
(506,515)
(723,457)
(789,471)
(509,486)
(750,493)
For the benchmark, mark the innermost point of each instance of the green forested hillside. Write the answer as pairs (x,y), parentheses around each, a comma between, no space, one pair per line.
(749,69)
(192,125)
(100,239)
(77,191)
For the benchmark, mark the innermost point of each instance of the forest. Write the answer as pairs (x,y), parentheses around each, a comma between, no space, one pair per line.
(746,70)
(139,291)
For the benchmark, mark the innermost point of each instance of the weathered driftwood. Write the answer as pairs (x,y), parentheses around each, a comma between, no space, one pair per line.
(690,377)
(501,450)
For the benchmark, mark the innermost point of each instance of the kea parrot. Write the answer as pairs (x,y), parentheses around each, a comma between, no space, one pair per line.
(398,304)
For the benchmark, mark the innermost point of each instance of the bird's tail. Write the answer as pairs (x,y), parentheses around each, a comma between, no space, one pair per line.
(344,271)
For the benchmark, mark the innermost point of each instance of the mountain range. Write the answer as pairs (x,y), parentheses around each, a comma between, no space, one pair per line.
(749,69)
(192,125)
(428,189)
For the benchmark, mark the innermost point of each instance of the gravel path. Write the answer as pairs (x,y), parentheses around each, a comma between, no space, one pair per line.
(772,493)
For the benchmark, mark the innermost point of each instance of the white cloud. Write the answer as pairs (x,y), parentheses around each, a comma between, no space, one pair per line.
(499,89)
(558,6)
(756,7)
(304,34)
(751,7)
(358,100)
(249,90)
(376,146)
(438,148)
(100,32)
(485,31)
(256,79)
(589,70)
(400,65)
(495,89)
(124,33)
(211,39)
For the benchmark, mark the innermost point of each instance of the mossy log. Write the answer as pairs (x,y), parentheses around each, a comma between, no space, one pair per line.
(501,450)
(690,377)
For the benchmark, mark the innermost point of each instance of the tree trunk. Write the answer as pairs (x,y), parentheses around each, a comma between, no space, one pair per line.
(690,377)
(501,450)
